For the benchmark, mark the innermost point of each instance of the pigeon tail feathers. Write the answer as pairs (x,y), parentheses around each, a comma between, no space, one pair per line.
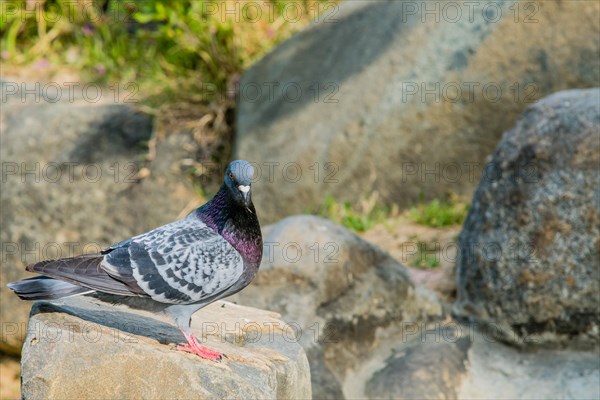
(86,271)
(44,288)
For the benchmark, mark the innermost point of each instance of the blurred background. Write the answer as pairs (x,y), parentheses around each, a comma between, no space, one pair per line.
(461,138)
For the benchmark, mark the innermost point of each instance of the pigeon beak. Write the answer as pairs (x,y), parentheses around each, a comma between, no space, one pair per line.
(245,191)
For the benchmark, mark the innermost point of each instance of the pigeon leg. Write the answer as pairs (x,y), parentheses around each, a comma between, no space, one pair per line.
(193,346)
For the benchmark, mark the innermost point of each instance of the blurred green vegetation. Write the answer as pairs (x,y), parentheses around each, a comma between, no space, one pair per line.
(425,259)
(358,217)
(439,213)
(172,49)
(368,212)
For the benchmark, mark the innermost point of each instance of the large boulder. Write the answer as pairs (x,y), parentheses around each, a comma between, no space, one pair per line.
(430,366)
(347,300)
(408,97)
(448,360)
(76,177)
(85,348)
(496,371)
(529,249)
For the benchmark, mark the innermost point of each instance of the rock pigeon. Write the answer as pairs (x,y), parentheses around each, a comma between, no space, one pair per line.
(180,267)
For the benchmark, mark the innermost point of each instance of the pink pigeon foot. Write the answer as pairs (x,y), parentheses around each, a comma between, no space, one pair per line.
(193,346)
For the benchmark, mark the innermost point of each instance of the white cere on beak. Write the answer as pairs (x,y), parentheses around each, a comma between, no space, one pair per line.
(244,189)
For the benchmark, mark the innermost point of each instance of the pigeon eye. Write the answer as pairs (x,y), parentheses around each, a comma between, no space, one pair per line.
(231,175)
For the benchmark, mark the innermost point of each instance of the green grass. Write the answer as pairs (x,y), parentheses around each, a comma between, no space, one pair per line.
(363,215)
(173,50)
(439,213)
(366,214)
(425,259)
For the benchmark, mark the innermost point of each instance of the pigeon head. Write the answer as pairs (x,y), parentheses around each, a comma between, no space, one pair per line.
(238,178)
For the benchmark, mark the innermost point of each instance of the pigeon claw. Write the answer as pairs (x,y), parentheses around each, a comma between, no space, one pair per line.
(202,352)
(193,346)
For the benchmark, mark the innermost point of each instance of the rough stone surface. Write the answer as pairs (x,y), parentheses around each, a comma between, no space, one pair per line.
(431,366)
(347,300)
(420,92)
(448,360)
(85,348)
(529,249)
(75,178)
(496,371)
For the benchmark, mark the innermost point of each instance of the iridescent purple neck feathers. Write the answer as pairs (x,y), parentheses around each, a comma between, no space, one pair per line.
(237,224)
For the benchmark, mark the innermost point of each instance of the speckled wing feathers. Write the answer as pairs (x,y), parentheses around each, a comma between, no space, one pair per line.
(179,263)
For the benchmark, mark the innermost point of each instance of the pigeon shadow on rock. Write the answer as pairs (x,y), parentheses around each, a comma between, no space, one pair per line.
(119,320)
